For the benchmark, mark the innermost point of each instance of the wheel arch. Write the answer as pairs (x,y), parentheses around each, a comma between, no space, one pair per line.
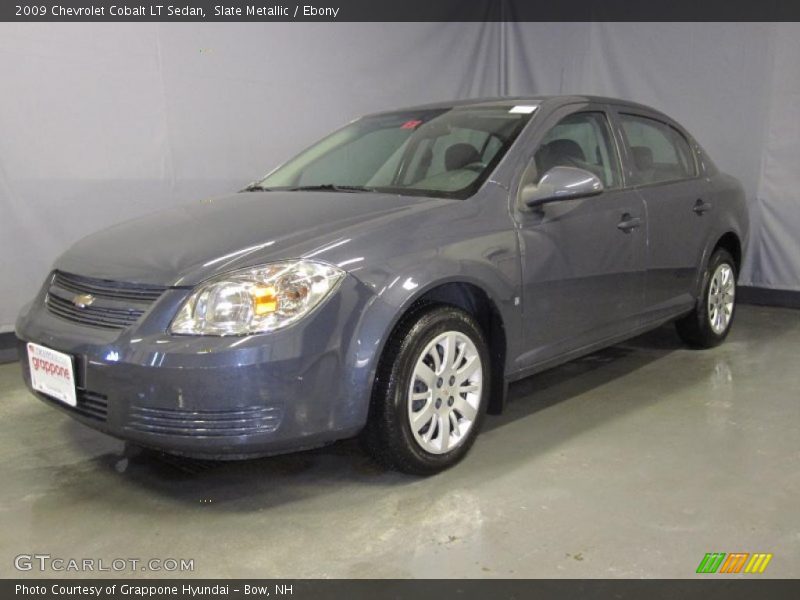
(474,300)
(464,293)
(729,240)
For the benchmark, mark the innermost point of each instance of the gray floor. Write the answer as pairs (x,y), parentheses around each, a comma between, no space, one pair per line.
(633,462)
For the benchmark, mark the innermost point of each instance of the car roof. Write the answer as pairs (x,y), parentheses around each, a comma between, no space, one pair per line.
(531,100)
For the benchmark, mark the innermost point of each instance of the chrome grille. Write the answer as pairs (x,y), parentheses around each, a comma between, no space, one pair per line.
(102,288)
(205,423)
(116,305)
(96,316)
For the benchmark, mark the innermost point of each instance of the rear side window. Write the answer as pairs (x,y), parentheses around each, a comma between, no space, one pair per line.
(659,152)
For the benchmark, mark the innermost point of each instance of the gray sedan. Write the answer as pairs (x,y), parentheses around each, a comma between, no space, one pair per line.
(390,281)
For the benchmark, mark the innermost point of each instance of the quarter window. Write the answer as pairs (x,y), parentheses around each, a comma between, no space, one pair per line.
(659,152)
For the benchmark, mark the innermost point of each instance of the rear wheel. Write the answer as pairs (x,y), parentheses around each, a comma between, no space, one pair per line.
(710,321)
(430,393)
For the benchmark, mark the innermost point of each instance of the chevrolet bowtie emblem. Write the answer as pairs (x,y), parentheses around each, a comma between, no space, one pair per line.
(83,300)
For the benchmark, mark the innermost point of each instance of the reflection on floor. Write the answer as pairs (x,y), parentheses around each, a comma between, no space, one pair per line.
(632,462)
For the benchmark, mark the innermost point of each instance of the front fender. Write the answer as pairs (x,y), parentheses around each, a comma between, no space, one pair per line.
(395,292)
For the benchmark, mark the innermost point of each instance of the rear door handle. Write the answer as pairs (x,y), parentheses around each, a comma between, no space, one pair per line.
(701,207)
(629,223)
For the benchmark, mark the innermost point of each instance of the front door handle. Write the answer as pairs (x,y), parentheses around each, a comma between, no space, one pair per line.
(701,207)
(629,223)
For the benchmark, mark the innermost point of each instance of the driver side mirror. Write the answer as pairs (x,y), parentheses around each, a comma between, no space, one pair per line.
(561,183)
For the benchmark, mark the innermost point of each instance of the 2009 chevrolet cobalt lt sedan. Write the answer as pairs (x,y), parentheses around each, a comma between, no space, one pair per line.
(390,281)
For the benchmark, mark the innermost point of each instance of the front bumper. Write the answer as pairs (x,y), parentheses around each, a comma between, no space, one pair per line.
(214,397)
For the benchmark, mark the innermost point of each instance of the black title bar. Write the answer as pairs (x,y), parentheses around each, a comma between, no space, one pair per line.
(398,10)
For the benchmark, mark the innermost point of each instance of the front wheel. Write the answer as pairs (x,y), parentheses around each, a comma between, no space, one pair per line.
(430,393)
(710,321)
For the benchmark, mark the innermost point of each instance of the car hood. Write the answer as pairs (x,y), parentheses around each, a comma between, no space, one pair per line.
(185,245)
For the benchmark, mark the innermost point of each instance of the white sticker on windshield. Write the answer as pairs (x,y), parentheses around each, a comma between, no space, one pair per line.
(522,109)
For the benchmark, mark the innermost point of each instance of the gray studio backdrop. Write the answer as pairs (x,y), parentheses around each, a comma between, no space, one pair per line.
(103,122)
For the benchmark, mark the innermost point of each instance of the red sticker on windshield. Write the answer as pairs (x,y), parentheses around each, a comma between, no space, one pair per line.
(410,124)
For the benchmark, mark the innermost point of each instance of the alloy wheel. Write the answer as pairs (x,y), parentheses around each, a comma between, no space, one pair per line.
(445,392)
(721,296)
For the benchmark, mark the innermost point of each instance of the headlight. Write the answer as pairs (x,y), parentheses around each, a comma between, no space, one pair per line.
(256,300)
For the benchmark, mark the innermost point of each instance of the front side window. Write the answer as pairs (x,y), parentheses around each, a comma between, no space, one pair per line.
(581,140)
(442,152)
(659,152)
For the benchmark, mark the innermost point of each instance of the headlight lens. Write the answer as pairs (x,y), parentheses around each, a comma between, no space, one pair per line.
(256,300)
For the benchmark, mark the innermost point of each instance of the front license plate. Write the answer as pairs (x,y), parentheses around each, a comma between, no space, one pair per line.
(52,373)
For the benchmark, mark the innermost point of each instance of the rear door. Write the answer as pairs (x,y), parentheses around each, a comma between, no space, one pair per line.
(664,170)
(582,259)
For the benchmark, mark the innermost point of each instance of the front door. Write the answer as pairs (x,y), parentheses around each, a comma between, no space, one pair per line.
(582,259)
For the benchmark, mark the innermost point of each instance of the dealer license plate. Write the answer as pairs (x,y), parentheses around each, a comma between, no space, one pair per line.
(52,373)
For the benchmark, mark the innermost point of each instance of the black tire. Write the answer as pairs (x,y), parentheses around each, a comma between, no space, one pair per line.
(388,436)
(695,328)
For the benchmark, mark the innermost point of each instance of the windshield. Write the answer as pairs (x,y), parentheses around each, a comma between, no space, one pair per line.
(443,152)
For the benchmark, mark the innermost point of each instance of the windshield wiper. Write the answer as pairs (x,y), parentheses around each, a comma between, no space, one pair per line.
(254,187)
(330,187)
